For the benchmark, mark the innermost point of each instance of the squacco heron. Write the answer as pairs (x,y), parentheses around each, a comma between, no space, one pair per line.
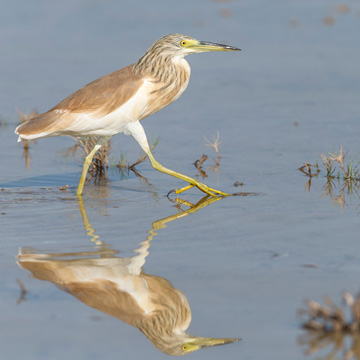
(117,102)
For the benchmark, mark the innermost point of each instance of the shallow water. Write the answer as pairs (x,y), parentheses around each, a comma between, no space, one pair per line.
(245,264)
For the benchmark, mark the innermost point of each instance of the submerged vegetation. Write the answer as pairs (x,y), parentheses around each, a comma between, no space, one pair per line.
(332,326)
(342,177)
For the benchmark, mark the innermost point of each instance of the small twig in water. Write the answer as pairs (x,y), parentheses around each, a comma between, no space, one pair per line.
(198,164)
(23,117)
(215,144)
(23,292)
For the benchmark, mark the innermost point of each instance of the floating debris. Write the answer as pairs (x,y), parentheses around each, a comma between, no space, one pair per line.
(238,183)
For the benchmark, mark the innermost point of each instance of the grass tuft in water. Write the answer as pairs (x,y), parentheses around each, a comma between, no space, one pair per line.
(102,160)
(335,167)
(330,325)
(342,177)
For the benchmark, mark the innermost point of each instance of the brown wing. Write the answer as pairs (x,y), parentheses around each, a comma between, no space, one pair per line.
(98,98)
(105,296)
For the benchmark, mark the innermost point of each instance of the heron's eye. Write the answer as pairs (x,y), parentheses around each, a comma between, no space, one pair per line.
(185,347)
(183,42)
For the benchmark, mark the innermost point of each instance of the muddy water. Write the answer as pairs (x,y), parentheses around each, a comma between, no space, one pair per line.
(243,264)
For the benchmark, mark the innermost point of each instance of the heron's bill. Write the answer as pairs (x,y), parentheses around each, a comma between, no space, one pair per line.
(203,46)
(202,342)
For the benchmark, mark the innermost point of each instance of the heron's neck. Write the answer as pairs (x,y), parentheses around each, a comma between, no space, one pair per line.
(169,76)
(163,66)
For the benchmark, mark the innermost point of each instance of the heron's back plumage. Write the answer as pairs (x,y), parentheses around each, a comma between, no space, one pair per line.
(103,107)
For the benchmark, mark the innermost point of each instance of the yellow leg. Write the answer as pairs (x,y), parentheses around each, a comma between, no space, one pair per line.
(179,191)
(87,164)
(193,182)
(137,131)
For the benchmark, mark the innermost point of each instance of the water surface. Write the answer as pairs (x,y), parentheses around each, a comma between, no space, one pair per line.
(244,264)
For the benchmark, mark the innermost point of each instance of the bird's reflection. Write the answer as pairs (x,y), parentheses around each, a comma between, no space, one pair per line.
(119,287)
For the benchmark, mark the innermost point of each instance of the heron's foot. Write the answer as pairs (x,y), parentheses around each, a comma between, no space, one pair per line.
(204,188)
(191,181)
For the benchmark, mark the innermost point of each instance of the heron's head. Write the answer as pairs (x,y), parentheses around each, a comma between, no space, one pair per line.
(184,344)
(173,47)
(182,45)
(197,343)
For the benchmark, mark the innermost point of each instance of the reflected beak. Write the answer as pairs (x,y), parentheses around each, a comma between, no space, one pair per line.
(208,342)
(203,46)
